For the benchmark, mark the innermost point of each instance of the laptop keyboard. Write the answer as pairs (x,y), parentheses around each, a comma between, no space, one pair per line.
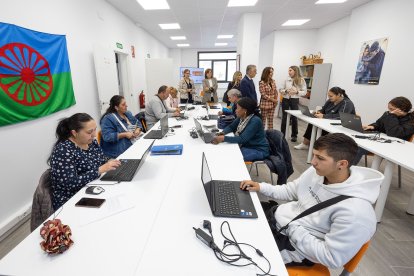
(125,172)
(153,134)
(228,200)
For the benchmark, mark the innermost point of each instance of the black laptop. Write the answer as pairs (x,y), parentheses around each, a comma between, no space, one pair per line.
(159,133)
(128,168)
(226,199)
(211,116)
(305,111)
(206,136)
(353,122)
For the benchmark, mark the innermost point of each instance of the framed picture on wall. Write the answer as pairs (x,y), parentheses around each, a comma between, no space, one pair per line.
(371,60)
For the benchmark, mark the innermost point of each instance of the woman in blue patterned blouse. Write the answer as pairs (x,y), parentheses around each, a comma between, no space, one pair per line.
(76,158)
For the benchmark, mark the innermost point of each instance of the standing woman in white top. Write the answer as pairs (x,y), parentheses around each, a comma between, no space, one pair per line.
(293,88)
(186,87)
(209,87)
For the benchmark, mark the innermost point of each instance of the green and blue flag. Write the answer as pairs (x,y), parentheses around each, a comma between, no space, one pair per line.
(35,77)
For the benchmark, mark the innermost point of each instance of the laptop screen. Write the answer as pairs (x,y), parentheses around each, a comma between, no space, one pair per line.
(206,179)
(144,156)
(199,128)
(164,124)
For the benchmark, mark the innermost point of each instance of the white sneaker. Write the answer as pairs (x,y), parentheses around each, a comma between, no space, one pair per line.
(301,146)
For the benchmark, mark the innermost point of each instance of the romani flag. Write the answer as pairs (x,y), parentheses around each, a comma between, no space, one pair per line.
(35,78)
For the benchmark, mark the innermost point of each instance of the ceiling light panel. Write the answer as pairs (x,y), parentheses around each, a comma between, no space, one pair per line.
(170,26)
(224,36)
(154,4)
(295,22)
(220,44)
(183,45)
(241,3)
(178,37)
(330,1)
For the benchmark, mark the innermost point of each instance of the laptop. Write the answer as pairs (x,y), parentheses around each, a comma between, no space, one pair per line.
(353,122)
(159,133)
(305,111)
(206,136)
(226,199)
(211,116)
(128,168)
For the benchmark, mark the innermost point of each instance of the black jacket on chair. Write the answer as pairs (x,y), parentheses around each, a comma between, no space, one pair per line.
(280,160)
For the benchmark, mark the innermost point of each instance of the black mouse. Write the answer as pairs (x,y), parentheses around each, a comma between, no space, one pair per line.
(215,130)
(245,187)
(94,190)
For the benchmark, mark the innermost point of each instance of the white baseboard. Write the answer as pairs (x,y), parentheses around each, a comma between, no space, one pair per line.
(15,221)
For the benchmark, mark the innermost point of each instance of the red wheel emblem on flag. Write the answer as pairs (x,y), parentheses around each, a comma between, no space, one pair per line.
(25,74)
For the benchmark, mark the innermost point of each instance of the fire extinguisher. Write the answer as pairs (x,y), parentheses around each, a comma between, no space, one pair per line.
(142,99)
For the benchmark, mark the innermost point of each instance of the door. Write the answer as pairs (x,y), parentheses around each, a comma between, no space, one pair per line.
(106,75)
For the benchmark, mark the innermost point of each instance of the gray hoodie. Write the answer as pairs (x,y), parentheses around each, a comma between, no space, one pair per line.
(331,236)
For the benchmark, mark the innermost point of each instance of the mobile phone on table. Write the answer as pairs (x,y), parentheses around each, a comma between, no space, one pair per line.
(90,202)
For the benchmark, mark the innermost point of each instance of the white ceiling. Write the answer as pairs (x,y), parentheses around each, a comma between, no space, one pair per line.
(202,20)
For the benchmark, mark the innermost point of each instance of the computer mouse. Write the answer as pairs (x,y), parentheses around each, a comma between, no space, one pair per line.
(245,187)
(215,130)
(94,190)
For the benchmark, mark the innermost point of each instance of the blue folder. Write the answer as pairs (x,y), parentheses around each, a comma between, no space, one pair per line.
(167,150)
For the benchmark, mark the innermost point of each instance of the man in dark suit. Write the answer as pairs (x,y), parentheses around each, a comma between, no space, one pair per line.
(247,87)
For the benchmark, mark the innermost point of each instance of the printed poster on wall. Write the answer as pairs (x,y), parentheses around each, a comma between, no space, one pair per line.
(371,60)
(35,77)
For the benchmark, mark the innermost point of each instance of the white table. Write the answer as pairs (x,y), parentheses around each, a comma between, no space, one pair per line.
(394,153)
(155,235)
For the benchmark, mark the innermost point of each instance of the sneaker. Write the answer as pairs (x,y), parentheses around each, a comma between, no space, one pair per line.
(293,139)
(301,146)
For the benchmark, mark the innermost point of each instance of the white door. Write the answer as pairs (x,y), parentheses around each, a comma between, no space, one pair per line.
(106,75)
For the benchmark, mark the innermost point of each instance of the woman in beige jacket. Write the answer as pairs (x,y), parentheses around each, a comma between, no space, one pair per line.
(186,88)
(209,87)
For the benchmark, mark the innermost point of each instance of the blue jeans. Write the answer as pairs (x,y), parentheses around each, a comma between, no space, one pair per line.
(252,154)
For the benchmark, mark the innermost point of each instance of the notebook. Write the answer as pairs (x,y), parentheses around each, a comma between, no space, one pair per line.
(159,133)
(226,199)
(128,168)
(167,150)
(353,122)
(305,111)
(206,136)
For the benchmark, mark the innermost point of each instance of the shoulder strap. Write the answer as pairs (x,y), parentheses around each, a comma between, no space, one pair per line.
(317,207)
(119,121)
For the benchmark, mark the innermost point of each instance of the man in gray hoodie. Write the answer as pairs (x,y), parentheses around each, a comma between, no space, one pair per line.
(333,235)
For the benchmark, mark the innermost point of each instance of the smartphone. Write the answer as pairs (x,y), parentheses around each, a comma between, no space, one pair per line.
(90,202)
(336,124)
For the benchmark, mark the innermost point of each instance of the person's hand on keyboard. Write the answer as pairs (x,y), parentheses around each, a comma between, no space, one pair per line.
(249,185)
(109,166)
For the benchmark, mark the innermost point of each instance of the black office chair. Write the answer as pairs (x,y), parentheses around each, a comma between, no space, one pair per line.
(141,118)
(42,201)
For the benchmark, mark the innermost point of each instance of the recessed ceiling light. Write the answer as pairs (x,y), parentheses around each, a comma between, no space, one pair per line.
(170,26)
(224,36)
(183,45)
(220,44)
(154,4)
(295,22)
(178,37)
(330,1)
(241,3)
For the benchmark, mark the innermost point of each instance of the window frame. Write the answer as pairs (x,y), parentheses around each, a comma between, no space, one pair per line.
(213,60)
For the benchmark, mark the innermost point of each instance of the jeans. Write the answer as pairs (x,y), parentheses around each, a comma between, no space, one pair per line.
(252,154)
(361,152)
(290,104)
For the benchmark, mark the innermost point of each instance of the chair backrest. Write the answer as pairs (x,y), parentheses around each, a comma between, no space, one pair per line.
(42,201)
(99,136)
(352,264)
(411,138)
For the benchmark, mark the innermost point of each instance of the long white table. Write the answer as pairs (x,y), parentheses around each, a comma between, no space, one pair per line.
(145,227)
(394,153)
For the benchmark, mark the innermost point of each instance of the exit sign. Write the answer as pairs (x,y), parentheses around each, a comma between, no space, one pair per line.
(119,45)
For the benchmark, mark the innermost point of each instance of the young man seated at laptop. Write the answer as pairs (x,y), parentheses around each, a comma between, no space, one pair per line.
(397,122)
(334,234)
(156,108)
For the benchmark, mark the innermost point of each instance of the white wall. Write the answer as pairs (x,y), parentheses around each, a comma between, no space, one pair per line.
(289,46)
(25,147)
(266,53)
(378,19)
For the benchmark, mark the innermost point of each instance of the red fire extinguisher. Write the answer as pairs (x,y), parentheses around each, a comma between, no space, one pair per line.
(142,99)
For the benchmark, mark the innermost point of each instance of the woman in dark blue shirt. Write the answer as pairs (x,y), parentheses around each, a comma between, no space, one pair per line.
(76,158)
(248,132)
(119,127)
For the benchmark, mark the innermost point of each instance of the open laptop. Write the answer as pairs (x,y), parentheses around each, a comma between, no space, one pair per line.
(353,122)
(210,116)
(159,133)
(226,199)
(305,111)
(128,168)
(206,136)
